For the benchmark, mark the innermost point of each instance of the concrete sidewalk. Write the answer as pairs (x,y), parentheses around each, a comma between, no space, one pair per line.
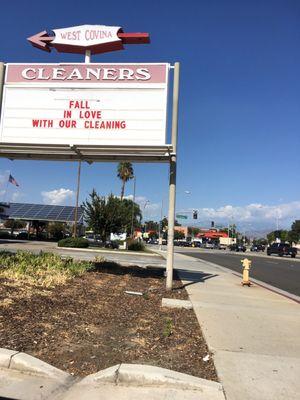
(252,332)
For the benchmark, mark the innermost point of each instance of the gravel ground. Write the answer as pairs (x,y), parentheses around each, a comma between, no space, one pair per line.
(90,323)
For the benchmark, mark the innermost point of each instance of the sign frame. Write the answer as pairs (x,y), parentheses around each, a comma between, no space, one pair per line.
(103,152)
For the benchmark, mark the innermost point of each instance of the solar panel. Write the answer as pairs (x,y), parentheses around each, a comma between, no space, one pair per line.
(44,212)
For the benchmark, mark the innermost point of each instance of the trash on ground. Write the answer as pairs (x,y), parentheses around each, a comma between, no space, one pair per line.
(134,293)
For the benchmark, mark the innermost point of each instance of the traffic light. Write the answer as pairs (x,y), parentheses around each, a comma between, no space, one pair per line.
(195,214)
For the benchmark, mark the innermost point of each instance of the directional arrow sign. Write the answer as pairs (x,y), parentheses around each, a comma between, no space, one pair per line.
(78,39)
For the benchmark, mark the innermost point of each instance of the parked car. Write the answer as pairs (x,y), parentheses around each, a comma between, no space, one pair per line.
(111,244)
(282,249)
(257,247)
(209,245)
(92,238)
(237,247)
(222,247)
(196,244)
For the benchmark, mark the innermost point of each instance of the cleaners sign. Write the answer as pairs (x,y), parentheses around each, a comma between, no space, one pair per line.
(85,104)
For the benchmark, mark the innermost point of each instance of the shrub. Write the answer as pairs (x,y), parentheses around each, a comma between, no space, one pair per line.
(44,269)
(135,245)
(73,242)
(4,235)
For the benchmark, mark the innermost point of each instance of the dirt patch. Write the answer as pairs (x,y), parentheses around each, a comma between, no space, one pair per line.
(90,323)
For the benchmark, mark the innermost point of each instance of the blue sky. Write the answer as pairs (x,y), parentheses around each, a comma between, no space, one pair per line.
(239,117)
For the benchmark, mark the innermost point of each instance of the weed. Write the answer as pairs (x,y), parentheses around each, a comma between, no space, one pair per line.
(168,328)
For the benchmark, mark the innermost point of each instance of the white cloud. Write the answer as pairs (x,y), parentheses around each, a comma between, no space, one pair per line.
(149,210)
(16,196)
(58,196)
(251,216)
(255,213)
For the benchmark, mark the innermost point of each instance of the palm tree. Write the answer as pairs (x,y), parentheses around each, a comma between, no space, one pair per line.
(125,173)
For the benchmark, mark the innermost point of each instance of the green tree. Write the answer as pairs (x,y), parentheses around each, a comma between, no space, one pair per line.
(178,235)
(294,233)
(125,173)
(151,226)
(261,241)
(271,237)
(110,215)
(164,223)
(56,230)
(281,234)
(293,236)
(13,224)
(94,212)
(193,231)
(232,230)
(296,226)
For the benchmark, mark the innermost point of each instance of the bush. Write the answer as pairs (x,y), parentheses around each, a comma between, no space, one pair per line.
(73,242)
(135,245)
(44,269)
(4,235)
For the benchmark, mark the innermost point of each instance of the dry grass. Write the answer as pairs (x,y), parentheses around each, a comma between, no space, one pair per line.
(45,269)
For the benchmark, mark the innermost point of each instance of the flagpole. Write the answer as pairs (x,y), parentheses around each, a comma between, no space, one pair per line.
(7,182)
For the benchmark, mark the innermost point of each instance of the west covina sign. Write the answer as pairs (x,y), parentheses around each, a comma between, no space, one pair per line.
(85,104)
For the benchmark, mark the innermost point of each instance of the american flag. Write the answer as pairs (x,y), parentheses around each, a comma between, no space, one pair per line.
(12,180)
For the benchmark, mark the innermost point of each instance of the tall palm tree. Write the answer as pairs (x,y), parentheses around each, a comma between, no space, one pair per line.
(125,173)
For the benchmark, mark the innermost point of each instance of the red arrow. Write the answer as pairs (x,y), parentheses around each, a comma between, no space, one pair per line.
(41,40)
(134,38)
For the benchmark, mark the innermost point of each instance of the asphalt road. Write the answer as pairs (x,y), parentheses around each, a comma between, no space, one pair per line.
(281,273)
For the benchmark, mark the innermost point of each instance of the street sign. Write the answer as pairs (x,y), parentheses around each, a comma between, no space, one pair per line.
(79,39)
(180,216)
(85,104)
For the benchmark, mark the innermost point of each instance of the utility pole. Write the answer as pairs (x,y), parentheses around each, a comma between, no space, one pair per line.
(133,204)
(160,225)
(172,181)
(77,200)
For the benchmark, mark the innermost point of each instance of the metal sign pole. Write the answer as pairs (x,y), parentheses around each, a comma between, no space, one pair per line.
(2,71)
(87,60)
(172,181)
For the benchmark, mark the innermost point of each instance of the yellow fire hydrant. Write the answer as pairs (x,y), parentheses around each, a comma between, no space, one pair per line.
(247,265)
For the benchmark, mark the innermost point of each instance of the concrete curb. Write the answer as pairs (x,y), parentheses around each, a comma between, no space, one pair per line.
(6,357)
(28,364)
(136,253)
(147,375)
(175,303)
(41,380)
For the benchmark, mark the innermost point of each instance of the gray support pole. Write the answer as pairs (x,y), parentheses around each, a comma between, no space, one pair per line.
(2,72)
(172,182)
(87,60)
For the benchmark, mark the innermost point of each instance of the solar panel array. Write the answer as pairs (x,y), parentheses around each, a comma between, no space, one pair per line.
(44,212)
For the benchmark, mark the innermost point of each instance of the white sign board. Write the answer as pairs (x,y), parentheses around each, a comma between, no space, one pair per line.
(86,35)
(85,104)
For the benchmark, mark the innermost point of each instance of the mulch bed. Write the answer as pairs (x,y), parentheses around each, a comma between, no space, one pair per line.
(91,323)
